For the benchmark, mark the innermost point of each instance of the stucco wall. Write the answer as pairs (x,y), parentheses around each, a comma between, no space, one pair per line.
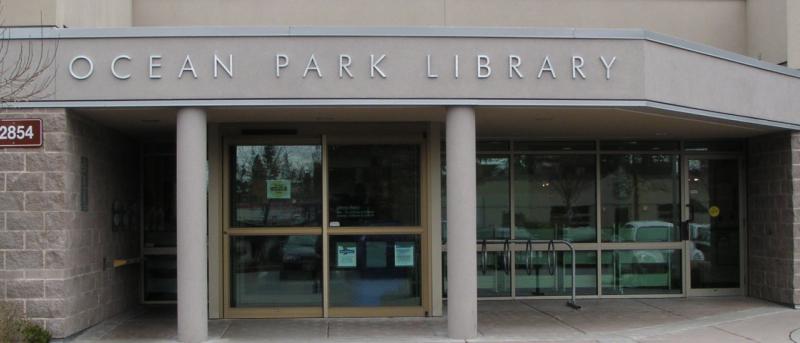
(766,30)
(69,13)
(56,255)
(720,23)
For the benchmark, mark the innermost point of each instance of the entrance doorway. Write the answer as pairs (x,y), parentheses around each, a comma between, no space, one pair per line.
(324,227)
(714,225)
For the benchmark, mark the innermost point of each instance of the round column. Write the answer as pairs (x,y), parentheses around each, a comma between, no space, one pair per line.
(462,284)
(192,229)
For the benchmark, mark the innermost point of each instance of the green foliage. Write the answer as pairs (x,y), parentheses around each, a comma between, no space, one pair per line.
(33,333)
(15,328)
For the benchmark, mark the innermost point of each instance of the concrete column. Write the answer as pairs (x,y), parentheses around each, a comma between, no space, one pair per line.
(462,284)
(192,230)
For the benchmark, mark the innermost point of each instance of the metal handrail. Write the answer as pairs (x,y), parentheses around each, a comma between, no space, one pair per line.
(507,257)
(551,254)
(529,257)
(483,257)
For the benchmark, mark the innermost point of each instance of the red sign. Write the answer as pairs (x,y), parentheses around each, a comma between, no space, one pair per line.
(15,133)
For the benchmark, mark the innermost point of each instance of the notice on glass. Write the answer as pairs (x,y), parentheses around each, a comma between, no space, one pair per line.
(346,255)
(279,189)
(403,254)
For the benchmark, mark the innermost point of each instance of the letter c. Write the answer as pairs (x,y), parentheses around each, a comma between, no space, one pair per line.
(114,67)
(72,70)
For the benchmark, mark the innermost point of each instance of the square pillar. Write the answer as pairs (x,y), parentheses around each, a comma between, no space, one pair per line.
(462,285)
(192,230)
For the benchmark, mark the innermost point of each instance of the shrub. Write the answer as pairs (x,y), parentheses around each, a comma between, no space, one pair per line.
(10,323)
(33,333)
(15,328)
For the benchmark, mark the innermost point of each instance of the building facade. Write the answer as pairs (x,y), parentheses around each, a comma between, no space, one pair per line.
(263,159)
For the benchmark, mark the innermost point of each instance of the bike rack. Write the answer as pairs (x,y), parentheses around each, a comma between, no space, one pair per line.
(551,258)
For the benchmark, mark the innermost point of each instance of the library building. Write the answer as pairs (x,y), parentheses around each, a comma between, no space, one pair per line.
(247,159)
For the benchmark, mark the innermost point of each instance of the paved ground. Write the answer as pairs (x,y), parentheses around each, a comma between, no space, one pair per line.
(728,319)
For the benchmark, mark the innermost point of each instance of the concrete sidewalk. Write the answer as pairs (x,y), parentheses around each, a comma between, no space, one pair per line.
(719,319)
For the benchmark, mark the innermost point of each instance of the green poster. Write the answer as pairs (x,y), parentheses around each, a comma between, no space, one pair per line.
(346,254)
(279,189)
(404,254)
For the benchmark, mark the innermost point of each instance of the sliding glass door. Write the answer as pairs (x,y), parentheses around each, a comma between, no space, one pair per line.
(314,229)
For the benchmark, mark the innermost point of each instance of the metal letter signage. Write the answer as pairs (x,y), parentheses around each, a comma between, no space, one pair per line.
(16,133)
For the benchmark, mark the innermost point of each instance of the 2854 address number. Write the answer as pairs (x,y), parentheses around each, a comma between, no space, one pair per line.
(20,133)
(16,132)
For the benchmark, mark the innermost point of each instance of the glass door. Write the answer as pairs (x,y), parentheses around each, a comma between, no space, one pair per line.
(273,229)
(376,229)
(714,225)
(319,229)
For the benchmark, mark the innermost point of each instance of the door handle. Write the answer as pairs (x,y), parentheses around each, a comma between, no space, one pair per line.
(685,225)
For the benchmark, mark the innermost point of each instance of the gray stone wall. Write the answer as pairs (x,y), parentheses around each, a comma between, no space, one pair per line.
(773,217)
(55,256)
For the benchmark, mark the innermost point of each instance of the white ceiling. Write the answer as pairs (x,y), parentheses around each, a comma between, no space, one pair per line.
(531,122)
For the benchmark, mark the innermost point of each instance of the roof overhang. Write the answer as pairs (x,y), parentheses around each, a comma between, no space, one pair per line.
(380,67)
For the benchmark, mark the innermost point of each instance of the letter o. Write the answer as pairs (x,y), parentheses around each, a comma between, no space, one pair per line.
(72,70)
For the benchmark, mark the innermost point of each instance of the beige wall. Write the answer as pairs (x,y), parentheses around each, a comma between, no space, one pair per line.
(793,33)
(720,23)
(28,12)
(69,13)
(766,30)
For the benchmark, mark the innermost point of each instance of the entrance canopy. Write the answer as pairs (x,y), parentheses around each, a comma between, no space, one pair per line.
(630,69)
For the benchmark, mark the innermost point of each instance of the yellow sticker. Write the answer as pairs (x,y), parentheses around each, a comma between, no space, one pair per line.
(713,211)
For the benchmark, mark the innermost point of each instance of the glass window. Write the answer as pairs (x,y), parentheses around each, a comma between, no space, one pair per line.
(493,197)
(374,185)
(641,272)
(536,276)
(160,278)
(555,197)
(443,187)
(491,146)
(494,275)
(641,198)
(158,189)
(640,145)
(720,146)
(554,146)
(276,271)
(276,185)
(375,270)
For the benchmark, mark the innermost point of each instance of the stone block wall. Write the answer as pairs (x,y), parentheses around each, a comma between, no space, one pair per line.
(56,256)
(773,217)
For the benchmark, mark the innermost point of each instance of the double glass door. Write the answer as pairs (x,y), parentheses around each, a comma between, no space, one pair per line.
(713,229)
(315,229)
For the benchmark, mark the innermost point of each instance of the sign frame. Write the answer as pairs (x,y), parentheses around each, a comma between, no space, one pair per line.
(37,127)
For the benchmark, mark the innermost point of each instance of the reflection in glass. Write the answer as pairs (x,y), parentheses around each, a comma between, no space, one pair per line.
(160,278)
(492,146)
(375,270)
(275,271)
(158,190)
(640,197)
(714,229)
(493,197)
(374,185)
(276,186)
(555,197)
(494,277)
(443,187)
(641,272)
(640,145)
(554,146)
(535,276)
